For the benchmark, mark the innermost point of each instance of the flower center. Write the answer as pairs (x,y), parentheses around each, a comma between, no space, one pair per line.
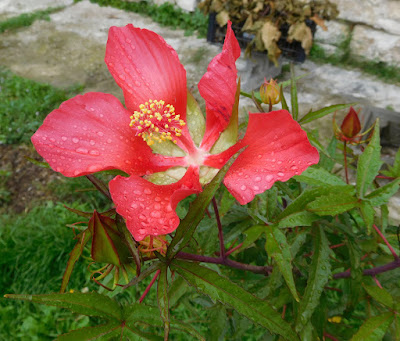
(157,121)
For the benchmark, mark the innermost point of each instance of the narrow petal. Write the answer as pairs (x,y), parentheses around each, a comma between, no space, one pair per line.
(277,149)
(149,209)
(218,88)
(91,133)
(145,67)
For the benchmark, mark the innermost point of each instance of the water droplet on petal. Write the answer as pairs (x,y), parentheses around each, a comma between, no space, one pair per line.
(169,208)
(157,206)
(147,191)
(156,214)
(257,178)
(64,138)
(137,192)
(109,141)
(137,83)
(279,162)
(94,152)
(269,177)
(243,187)
(82,151)
(259,156)
(75,140)
(100,133)
(293,167)
(280,174)
(157,199)
(256,188)
(92,143)
(142,216)
(134,205)
(76,172)
(142,231)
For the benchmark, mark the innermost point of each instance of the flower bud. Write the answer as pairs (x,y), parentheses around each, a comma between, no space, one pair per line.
(270,92)
(351,125)
(108,245)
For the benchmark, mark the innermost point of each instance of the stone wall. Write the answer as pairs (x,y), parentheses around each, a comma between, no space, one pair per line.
(374,26)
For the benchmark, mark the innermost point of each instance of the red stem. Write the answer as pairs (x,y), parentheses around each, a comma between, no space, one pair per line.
(220,233)
(386,242)
(149,286)
(329,336)
(233,249)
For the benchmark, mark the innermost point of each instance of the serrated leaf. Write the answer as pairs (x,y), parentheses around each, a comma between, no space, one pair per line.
(355,255)
(176,290)
(188,225)
(73,258)
(315,175)
(221,289)
(217,321)
(369,163)
(139,312)
(303,218)
(101,332)
(394,171)
(278,248)
(162,297)
(189,330)
(91,304)
(252,234)
(374,328)
(333,204)
(380,295)
(320,271)
(313,115)
(368,214)
(382,195)
(327,161)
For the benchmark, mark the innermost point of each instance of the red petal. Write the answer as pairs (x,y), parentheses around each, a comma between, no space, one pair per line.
(218,88)
(277,150)
(149,209)
(91,133)
(145,67)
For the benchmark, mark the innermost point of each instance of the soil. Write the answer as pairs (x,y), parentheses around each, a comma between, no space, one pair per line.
(27,182)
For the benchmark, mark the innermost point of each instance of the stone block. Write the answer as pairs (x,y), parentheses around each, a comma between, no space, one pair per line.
(380,14)
(336,33)
(375,45)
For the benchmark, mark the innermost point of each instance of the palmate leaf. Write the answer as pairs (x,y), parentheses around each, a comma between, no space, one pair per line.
(320,271)
(380,295)
(369,163)
(382,195)
(221,289)
(188,225)
(374,328)
(315,175)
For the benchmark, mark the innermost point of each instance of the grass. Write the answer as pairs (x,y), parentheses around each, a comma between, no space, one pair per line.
(165,14)
(24,104)
(27,19)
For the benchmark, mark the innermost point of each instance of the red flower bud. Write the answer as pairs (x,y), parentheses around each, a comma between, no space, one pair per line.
(351,125)
(270,92)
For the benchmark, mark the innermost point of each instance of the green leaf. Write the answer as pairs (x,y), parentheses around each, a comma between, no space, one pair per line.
(91,304)
(217,321)
(313,115)
(368,214)
(327,161)
(283,100)
(252,234)
(278,248)
(230,135)
(315,175)
(195,119)
(221,289)
(74,256)
(374,328)
(176,290)
(162,296)
(394,171)
(188,225)
(139,312)
(293,94)
(303,218)
(382,195)
(334,203)
(38,163)
(320,271)
(101,332)
(355,255)
(369,163)
(380,295)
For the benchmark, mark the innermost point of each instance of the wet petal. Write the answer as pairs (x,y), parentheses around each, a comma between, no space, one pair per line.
(149,209)
(145,67)
(278,149)
(218,88)
(91,133)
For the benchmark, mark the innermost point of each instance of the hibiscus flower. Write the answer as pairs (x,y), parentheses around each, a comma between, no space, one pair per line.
(160,138)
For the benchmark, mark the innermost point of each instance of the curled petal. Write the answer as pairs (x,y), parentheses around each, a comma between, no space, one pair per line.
(218,88)
(278,149)
(91,133)
(145,67)
(149,209)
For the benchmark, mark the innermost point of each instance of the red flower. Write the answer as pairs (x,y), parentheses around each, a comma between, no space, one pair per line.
(94,132)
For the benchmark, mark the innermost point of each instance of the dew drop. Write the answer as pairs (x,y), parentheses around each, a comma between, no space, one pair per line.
(94,152)
(240,173)
(137,83)
(269,177)
(243,187)
(52,140)
(64,138)
(82,151)
(256,188)
(259,156)
(142,216)
(44,138)
(169,208)
(157,199)
(76,172)
(75,140)
(134,205)
(127,162)
(100,133)
(279,162)
(257,178)
(156,214)
(59,169)
(142,231)
(147,191)
(294,168)
(137,192)
(128,40)
(157,206)
(92,143)
(109,141)
(280,174)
